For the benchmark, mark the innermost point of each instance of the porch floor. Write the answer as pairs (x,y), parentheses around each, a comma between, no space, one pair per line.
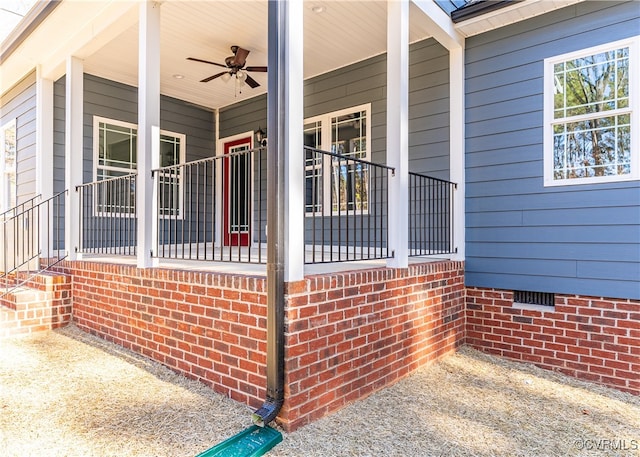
(254,269)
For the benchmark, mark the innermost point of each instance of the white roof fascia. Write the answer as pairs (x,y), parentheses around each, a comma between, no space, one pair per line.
(74,28)
(441,25)
(508,15)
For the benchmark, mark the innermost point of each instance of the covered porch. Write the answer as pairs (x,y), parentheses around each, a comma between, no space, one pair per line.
(400,80)
(167,189)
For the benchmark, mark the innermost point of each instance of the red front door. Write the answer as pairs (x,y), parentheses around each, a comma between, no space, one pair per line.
(237,192)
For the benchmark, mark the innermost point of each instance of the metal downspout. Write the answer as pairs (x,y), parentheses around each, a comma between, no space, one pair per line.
(276,121)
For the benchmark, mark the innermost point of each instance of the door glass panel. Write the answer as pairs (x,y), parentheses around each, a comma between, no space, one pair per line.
(239,182)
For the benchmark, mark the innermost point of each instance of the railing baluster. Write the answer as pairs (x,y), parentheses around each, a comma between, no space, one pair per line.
(355,212)
(21,232)
(354,219)
(430,215)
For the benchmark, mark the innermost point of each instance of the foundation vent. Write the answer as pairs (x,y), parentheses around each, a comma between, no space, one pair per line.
(534,298)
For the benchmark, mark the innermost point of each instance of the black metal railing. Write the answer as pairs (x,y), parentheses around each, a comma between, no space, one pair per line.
(215,209)
(430,215)
(191,195)
(346,208)
(108,216)
(31,238)
(27,204)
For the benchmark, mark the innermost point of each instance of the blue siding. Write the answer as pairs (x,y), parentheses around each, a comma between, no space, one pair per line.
(582,239)
(113,100)
(117,101)
(365,82)
(19,104)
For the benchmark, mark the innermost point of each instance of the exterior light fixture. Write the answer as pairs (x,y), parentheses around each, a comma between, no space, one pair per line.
(261,137)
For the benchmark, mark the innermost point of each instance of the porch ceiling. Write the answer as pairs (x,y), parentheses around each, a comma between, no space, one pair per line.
(343,33)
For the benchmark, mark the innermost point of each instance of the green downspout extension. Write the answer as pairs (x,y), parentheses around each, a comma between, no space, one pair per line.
(276,118)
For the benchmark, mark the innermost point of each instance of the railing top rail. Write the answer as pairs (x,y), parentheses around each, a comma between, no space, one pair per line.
(345,157)
(435,179)
(207,159)
(24,203)
(34,207)
(102,181)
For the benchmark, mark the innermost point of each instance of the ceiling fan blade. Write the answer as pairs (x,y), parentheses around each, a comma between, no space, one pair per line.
(251,82)
(206,80)
(206,61)
(241,57)
(260,69)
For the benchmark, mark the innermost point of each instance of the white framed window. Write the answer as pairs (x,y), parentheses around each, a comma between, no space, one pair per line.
(591,111)
(115,155)
(8,155)
(343,182)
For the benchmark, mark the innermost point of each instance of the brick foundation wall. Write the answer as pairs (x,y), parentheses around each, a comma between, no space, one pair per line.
(43,303)
(207,326)
(350,334)
(592,338)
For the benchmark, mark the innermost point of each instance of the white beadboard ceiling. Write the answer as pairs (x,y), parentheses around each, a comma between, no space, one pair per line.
(343,33)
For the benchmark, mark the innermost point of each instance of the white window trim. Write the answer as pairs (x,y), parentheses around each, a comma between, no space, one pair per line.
(96,134)
(4,198)
(634,108)
(325,123)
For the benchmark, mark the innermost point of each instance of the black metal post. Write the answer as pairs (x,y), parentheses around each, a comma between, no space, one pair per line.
(276,120)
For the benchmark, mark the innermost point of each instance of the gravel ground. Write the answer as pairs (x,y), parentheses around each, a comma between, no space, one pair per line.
(66,393)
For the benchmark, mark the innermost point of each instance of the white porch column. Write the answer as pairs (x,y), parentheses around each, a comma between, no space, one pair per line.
(148,128)
(73,154)
(44,151)
(456,146)
(286,117)
(398,129)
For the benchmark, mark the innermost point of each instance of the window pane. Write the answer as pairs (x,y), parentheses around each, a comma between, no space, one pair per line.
(117,158)
(169,150)
(592,84)
(117,146)
(115,196)
(169,193)
(348,134)
(350,178)
(9,178)
(594,147)
(313,135)
(313,167)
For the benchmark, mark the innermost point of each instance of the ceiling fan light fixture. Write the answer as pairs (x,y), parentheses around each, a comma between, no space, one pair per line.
(234,66)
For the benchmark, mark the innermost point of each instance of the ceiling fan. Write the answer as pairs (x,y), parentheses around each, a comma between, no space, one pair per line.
(235,65)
